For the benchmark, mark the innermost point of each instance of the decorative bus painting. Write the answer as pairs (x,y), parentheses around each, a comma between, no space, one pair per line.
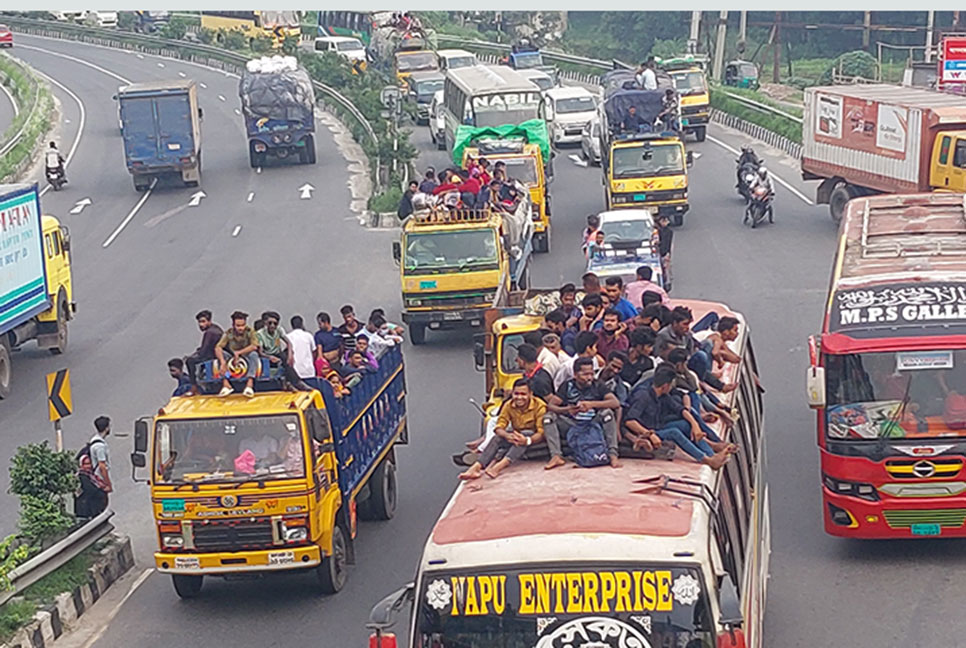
(888,373)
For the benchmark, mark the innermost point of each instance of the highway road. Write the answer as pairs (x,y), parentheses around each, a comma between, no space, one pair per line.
(140,278)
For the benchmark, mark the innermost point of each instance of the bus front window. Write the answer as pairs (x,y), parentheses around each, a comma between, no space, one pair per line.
(635,161)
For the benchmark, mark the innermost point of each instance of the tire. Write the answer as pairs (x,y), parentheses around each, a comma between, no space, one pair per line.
(333,571)
(6,369)
(61,328)
(187,586)
(678,219)
(309,149)
(837,201)
(381,503)
(417,334)
(700,133)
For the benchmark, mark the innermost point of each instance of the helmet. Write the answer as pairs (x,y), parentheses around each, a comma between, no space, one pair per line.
(762,171)
(747,149)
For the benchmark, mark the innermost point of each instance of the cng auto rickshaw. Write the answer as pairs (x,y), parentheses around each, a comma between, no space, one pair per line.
(741,74)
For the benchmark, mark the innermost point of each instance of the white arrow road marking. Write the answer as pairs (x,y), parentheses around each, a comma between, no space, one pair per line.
(196,198)
(306,191)
(235,231)
(79,206)
(182,74)
(140,56)
(221,97)
(251,196)
(577,160)
(204,85)
(161,65)
(127,219)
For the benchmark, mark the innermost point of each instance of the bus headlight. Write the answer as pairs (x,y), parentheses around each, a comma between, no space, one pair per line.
(414,302)
(853,489)
(296,534)
(172,541)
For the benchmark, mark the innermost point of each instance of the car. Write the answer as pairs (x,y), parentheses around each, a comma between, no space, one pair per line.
(6,36)
(451,59)
(630,241)
(103,18)
(437,122)
(351,49)
(423,86)
(69,16)
(538,78)
(590,141)
(568,110)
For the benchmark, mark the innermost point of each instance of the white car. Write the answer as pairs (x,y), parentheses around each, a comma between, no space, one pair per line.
(103,18)
(590,141)
(538,78)
(568,110)
(69,16)
(347,47)
(630,241)
(437,122)
(451,59)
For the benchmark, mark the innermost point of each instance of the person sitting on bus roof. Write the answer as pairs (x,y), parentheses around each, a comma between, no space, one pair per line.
(519,425)
(639,360)
(429,181)
(653,418)
(586,345)
(635,290)
(551,342)
(610,375)
(581,399)
(484,167)
(610,336)
(557,322)
(545,358)
(688,388)
(240,340)
(568,303)
(469,188)
(614,289)
(591,283)
(656,317)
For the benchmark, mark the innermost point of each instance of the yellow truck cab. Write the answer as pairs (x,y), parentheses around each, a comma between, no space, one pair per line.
(407,61)
(36,290)
(647,170)
(455,264)
(525,163)
(691,82)
(273,482)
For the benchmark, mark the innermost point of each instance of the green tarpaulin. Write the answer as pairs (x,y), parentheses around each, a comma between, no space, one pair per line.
(533,131)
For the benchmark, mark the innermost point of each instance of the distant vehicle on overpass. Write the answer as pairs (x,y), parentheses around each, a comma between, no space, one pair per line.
(277,25)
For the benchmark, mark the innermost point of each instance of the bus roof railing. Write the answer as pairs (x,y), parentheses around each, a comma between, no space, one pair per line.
(440,215)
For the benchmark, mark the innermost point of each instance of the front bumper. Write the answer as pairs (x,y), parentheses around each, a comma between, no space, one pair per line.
(694,120)
(918,518)
(238,561)
(446,319)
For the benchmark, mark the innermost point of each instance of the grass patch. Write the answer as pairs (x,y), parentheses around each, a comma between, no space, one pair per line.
(72,574)
(387,200)
(35,103)
(776,123)
(764,99)
(14,614)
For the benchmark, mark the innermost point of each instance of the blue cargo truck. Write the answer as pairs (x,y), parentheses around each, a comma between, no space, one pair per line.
(161,128)
(278,104)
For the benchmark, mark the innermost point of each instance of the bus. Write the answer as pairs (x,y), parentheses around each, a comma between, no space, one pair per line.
(654,553)
(355,24)
(278,25)
(488,95)
(887,375)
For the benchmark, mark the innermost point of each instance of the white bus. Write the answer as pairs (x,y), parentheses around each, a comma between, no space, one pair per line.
(488,95)
(653,554)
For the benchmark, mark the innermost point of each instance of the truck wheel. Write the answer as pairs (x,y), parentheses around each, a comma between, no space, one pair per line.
(678,219)
(382,491)
(307,154)
(417,334)
(333,571)
(187,586)
(837,201)
(5,368)
(700,133)
(61,328)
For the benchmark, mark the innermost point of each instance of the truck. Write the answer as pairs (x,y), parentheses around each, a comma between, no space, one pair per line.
(161,131)
(456,263)
(641,169)
(275,482)
(524,56)
(862,140)
(692,85)
(278,106)
(36,293)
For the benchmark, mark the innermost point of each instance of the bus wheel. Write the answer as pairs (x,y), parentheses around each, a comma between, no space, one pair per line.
(187,586)
(382,491)
(417,333)
(333,571)
(5,370)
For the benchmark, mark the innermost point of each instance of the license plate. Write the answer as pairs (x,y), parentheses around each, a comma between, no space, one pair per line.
(925,529)
(281,558)
(181,562)
(452,316)
(684,122)
(640,197)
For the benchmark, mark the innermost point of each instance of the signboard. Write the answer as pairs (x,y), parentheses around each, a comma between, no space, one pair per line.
(952,62)
(857,124)
(506,101)
(59,400)
(913,307)
(23,280)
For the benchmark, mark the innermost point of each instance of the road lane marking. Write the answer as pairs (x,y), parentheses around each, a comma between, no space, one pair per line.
(576,159)
(221,97)
(305,191)
(251,196)
(78,60)
(182,74)
(80,124)
(196,198)
(258,169)
(771,172)
(237,112)
(203,85)
(160,65)
(140,56)
(127,219)
(117,608)
(80,205)
(236,230)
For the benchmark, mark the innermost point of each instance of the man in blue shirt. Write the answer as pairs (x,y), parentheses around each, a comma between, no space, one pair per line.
(176,369)
(327,340)
(614,289)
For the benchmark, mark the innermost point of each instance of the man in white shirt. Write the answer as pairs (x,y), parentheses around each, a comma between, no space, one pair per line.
(380,338)
(302,345)
(649,76)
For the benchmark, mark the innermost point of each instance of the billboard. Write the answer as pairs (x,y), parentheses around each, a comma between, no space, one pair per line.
(862,125)
(952,62)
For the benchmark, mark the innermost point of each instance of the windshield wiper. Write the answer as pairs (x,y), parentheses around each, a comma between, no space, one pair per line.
(897,416)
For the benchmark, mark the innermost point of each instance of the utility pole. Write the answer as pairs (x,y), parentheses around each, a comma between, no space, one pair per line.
(866,28)
(930,20)
(719,44)
(776,49)
(695,32)
(743,27)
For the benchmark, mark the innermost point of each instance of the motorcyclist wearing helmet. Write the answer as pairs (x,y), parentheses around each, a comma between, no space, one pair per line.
(747,161)
(763,179)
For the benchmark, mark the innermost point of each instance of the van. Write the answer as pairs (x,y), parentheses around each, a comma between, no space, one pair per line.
(539,78)
(450,59)
(351,49)
(437,121)
(568,110)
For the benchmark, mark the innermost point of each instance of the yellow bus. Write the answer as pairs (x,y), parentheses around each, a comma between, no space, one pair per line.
(276,24)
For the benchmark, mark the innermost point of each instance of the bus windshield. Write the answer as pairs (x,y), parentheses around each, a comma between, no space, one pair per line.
(229,449)
(896,395)
(463,250)
(660,159)
(690,82)
(412,61)
(641,606)
(528,60)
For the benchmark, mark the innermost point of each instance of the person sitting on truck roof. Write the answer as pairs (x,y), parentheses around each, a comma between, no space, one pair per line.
(176,370)
(380,338)
(355,368)
(536,373)
(558,323)
(632,122)
(581,399)
(429,181)
(350,326)
(546,358)
(519,425)
(593,306)
(390,327)
(210,335)
(484,167)
(586,345)
(636,289)
(241,342)
(639,360)
(406,202)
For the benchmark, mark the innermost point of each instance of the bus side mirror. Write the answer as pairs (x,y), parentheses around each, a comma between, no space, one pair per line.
(396,252)
(383,616)
(815,387)
(141,435)
(690,158)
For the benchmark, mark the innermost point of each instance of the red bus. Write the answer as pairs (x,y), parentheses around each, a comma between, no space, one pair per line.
(888,373)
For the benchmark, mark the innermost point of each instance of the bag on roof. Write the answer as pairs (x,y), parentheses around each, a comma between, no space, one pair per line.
(586,441)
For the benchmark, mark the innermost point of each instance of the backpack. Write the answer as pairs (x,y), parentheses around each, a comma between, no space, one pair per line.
(586,441)
(85,465)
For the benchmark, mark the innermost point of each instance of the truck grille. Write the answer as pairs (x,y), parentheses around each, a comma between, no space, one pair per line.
(949,518)
(233,535)
(693,110)
(445,301)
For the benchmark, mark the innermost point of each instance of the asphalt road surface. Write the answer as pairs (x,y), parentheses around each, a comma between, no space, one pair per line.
(139,280)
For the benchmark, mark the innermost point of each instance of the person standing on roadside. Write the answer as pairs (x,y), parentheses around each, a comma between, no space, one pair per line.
(94,472)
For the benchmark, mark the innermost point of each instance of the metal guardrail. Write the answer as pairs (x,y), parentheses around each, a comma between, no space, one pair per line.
(208,55)
(751,103)
(57,555)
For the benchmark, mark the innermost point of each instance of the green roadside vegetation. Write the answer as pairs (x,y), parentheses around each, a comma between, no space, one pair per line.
(36,104)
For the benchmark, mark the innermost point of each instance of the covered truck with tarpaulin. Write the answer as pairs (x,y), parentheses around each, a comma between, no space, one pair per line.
(278,105)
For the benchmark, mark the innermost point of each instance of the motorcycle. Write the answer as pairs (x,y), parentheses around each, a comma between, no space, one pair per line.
(56,177)
(758,206)
(746,173)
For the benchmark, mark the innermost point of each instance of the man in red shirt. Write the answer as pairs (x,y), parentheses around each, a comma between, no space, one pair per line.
(610,337)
